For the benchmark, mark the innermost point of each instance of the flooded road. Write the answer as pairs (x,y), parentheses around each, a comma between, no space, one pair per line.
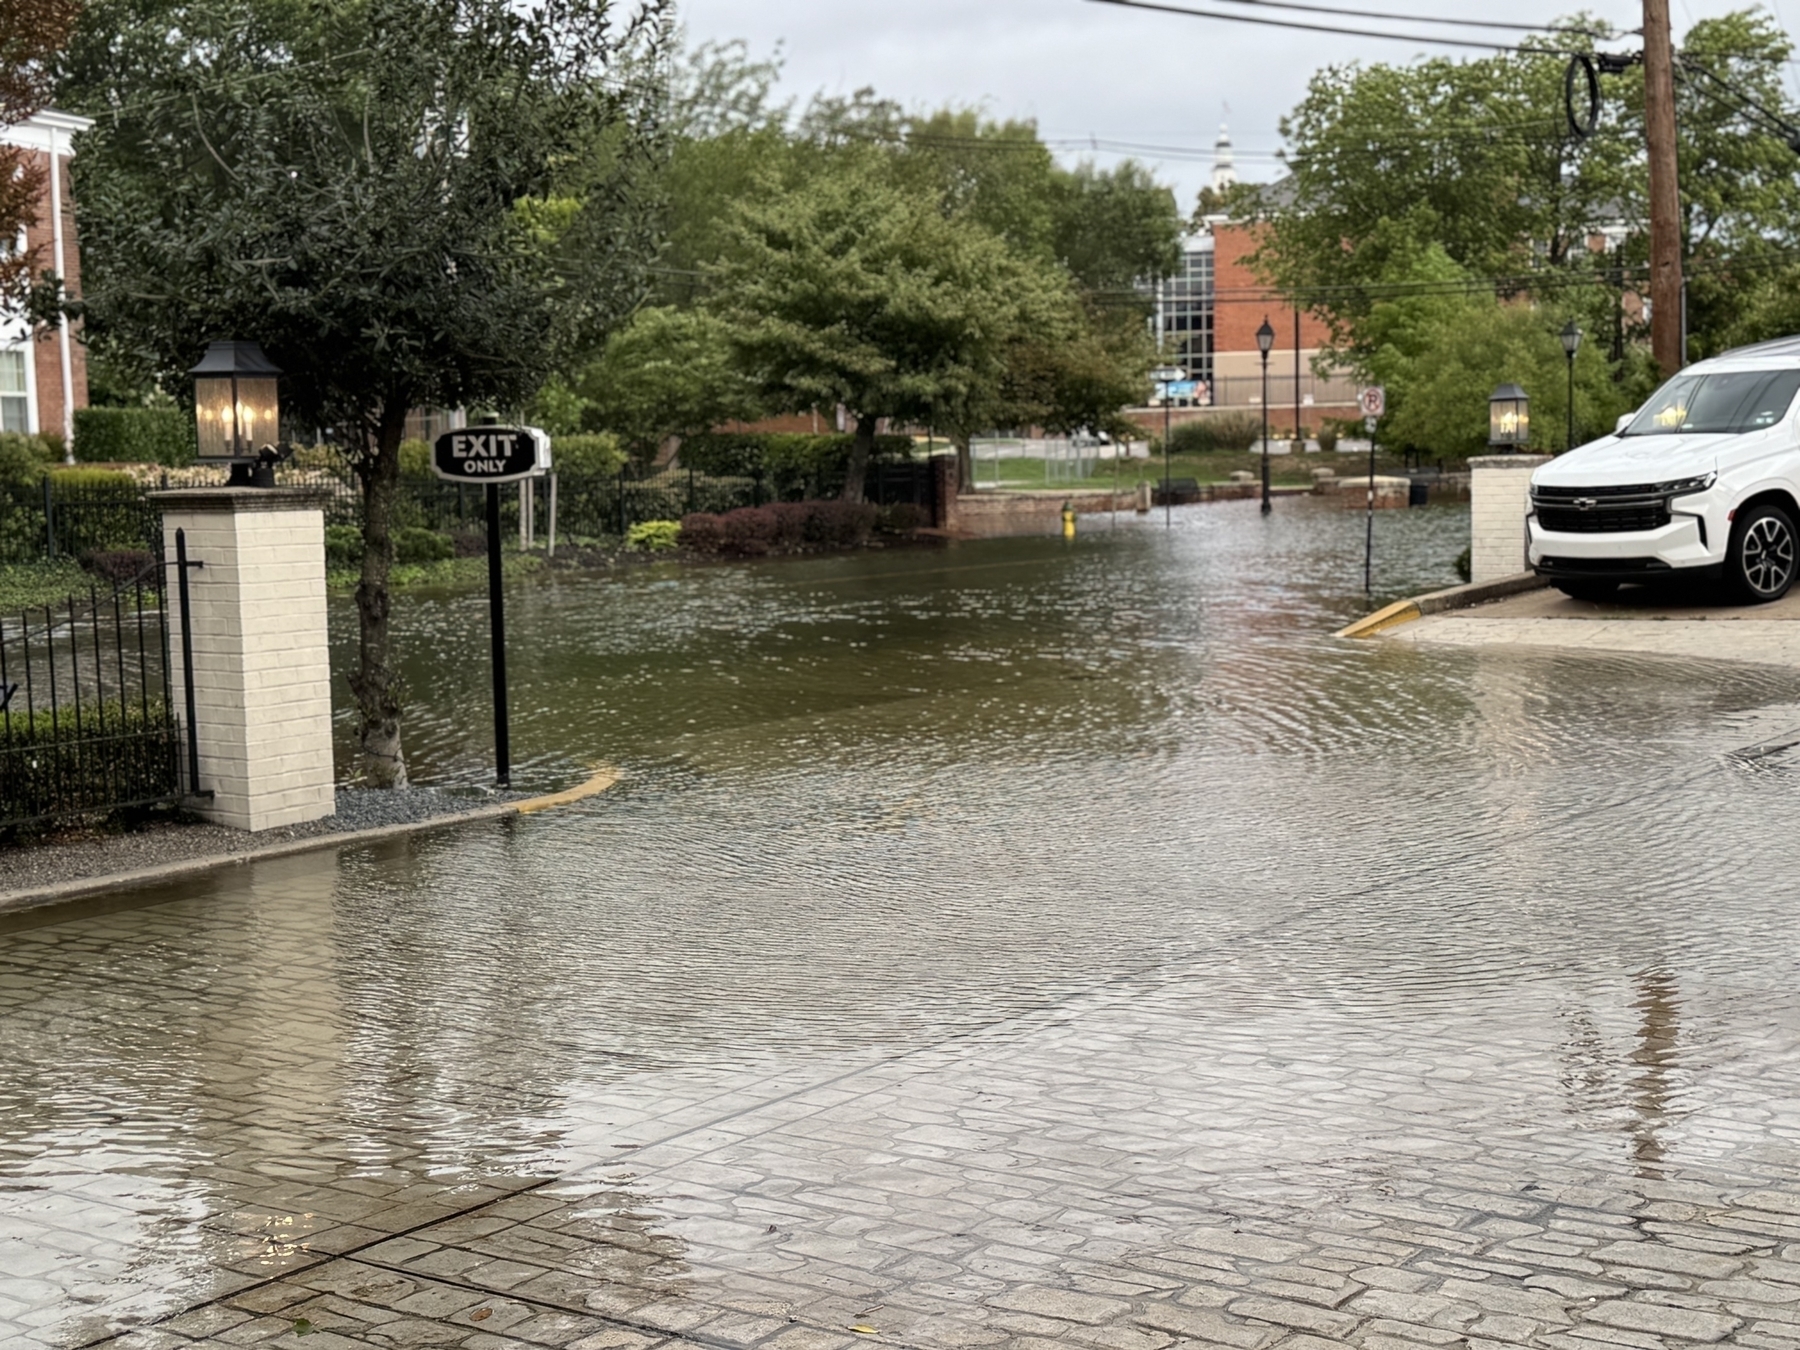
(990,945)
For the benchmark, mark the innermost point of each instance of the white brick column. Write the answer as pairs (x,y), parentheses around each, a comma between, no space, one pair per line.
(1499,499)
(262,669)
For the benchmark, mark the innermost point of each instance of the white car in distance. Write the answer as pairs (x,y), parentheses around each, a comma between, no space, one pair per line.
(1702,482)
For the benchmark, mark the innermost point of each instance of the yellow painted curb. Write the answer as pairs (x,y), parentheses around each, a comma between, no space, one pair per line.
(603,779)
(1401,611)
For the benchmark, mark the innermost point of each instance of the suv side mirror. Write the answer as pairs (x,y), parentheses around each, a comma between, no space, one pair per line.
(1623,422)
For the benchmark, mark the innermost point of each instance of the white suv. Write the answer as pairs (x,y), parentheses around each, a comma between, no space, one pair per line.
(1702,481)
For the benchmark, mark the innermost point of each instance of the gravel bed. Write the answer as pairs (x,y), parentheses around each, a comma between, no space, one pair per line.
(74,856)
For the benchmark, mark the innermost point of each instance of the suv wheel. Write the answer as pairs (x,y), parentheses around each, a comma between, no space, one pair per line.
(1764,554)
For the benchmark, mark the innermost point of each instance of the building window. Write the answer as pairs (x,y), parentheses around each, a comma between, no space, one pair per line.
(15,405)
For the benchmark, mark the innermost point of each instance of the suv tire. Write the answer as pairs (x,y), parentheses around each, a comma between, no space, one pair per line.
(1764,554)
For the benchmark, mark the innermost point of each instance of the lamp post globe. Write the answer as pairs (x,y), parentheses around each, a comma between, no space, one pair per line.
(1265,343)
(1571,336)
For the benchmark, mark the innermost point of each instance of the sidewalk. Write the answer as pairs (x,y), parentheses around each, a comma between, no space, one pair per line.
(1641,620)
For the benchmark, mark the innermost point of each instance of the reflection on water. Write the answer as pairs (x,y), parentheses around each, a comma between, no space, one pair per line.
(882,804)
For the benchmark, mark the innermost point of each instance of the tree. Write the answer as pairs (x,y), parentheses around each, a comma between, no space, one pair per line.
(1475,156)
(854,291)
(31,34)
(669,372)
(1441,346)
(407,202)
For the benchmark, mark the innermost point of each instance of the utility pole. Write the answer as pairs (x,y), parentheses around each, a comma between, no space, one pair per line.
(1665,189)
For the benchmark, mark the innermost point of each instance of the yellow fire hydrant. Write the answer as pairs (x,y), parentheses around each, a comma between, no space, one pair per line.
(1068,520)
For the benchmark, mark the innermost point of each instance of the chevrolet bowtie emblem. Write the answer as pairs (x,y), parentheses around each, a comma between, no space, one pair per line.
(1585,503)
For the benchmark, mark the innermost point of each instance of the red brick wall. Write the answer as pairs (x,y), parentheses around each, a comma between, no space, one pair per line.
(47,350)
(1242,301)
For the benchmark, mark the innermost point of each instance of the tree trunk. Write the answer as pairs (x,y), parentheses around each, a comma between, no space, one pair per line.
(862,446)
(376,683)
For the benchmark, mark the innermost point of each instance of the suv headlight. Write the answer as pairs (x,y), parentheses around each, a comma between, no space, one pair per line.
(1682,487)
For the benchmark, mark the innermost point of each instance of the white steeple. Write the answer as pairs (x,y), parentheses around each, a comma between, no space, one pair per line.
(1224,170)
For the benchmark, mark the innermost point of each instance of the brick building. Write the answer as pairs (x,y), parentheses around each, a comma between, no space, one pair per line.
(43,374)
(1205,320)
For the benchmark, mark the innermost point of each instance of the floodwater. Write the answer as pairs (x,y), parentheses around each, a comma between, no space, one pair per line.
(974,930)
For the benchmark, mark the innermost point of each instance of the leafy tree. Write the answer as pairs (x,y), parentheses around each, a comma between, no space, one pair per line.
(854,291)
(669,372)
(407,202)
(1474,156)
(31,34)
(1441,348)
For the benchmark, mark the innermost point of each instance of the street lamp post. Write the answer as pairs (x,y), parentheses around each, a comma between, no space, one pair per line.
(1571,343)
(1166,376)
(1265,343)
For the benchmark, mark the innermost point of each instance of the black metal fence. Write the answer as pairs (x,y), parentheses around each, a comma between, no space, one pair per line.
(593,505)
(86,721)
(48,519)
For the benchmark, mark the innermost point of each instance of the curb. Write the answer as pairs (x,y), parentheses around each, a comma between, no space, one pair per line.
(1440,602)
(12,902)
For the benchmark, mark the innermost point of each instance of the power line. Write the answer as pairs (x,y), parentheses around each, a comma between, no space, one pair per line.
(1421,18)
(1330,28)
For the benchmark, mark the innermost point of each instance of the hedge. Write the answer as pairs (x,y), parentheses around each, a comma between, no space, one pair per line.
(134,436)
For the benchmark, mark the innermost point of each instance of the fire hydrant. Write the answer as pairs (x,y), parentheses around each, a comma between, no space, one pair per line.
(1068,520)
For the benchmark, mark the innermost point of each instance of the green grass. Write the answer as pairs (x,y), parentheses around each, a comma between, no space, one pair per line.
(449,572)
(1020,475)
(34,585)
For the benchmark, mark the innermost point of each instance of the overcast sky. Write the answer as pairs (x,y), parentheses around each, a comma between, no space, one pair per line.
(1084,69)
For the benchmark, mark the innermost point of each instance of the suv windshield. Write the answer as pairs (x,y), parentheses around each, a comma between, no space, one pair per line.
(1691,405)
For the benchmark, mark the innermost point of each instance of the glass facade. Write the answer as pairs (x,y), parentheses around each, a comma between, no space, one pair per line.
(1184,319)
(15,405)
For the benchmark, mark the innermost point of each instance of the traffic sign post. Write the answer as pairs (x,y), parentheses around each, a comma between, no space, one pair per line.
(1373,402)
(492,456)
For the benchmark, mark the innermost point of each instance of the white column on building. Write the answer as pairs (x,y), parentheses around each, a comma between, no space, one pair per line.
(62,323)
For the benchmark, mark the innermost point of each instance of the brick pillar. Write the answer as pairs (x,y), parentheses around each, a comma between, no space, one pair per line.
(1499,499)
(943,491)
(262,670)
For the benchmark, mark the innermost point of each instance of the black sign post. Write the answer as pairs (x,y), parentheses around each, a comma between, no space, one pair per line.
(492,456)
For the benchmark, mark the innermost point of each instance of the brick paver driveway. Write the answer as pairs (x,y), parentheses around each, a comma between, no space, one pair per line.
(1213,986)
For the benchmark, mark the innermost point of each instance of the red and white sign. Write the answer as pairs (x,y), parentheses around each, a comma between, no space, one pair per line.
(1373,401)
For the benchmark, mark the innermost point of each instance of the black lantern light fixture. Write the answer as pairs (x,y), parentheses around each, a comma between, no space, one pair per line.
(1265,343)
(237,412)
(1571,343)
(1509,418)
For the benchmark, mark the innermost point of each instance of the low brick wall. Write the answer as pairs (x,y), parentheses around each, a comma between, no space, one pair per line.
(998,515)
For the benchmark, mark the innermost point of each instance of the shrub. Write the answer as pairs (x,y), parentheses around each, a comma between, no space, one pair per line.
(754,530)
(23,459)
(587,454)
(1465,564)
(82,478)
(748,531)
(134,436)
(1328,437)
(1234,432)
(415,544)
(117,566)
(469,542)
(902,518)
(654,536)
(700,532)
(415,459)
(343,548)
(840,524)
